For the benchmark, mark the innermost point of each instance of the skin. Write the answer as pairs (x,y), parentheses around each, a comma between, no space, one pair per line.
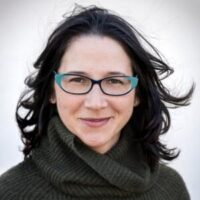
(95,118)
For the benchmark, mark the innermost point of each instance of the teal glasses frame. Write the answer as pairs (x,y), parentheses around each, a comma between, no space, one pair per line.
(59,76)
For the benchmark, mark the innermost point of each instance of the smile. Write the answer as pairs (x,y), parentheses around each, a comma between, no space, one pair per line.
(95,122)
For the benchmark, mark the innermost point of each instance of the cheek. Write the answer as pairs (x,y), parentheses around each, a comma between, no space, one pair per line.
(125,106)
(127,103)
(67,105)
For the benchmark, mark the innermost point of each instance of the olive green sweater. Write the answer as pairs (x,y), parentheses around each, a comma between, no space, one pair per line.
(63,168)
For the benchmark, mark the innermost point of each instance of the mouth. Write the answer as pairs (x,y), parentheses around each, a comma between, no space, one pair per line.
(95,122)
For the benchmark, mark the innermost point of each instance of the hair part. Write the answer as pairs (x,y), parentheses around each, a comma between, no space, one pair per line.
(151,117)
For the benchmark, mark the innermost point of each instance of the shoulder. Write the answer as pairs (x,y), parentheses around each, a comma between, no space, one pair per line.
(20,181)
(170,175)
(171,182)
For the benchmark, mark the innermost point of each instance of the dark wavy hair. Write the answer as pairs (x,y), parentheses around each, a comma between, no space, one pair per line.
(151,117)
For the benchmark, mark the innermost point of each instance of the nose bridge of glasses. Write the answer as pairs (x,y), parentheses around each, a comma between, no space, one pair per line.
(95,97)
(96,82)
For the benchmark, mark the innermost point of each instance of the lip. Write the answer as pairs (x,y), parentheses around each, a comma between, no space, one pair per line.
(95,122)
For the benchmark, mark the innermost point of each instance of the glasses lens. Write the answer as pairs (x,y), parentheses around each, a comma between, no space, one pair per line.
(116,85)
(75,84)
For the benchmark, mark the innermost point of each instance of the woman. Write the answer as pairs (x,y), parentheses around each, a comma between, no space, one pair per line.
(95,110)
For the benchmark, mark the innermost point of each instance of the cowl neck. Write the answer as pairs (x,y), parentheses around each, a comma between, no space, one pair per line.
(69,165)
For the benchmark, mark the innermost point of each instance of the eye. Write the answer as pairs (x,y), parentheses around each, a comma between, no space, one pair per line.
(115,81)
(76,79)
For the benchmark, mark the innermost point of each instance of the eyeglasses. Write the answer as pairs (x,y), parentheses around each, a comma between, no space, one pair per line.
(112,85)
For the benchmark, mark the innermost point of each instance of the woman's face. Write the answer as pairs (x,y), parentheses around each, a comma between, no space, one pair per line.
(95,118)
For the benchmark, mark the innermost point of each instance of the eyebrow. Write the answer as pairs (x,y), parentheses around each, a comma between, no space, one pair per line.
(110,73)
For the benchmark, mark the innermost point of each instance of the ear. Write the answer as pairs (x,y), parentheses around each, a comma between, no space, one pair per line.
(136,101)
(52,99)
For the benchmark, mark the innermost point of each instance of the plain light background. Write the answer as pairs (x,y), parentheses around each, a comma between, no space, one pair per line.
(172,26)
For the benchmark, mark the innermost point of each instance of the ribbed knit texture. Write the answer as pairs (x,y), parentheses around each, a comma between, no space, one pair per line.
(64,168)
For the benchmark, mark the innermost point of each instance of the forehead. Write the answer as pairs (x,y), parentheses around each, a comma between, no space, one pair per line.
(94,53)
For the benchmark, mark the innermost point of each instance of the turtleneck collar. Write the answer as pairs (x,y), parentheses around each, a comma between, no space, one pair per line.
(73,168)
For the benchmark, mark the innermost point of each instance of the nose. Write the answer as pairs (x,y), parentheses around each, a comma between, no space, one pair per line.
(96,99)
